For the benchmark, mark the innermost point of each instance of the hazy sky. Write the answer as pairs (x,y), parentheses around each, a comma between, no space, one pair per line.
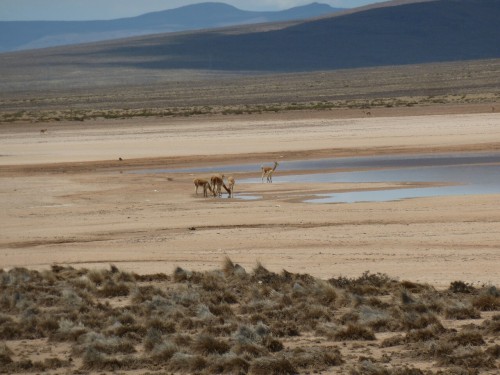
(19,10)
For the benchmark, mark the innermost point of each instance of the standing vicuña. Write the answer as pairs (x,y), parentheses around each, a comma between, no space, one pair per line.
(268,172)
(217,183)
(230,183)
(199,182)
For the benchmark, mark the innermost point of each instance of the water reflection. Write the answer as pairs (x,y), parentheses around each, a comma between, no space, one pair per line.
(467,180)
(390,161)
(468,173)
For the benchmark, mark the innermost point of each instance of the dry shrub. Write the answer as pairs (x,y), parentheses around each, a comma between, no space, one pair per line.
(352,316)
(229,363)
(106,345)
(488,299)
(377,303)
(11,330)
(439,349)
(249,349)
(225,329)
(415,287)
(376,283)
(212,281)
(97,276)
(312,314)
(316,357)
(233,270)
(415,320)
(153,337)
(94,360)
(494,351)
(377,320)
(123,276)
(323,292)
(458,371)
(421,335)
(68,331)
(284,329)
(54,363)
(181,275)
(468,338)
(228,266)
(461,287)
(222,310)
(367,367)
(272,344)
(5,355)
(270,366)
(112,289)
(354,332)
(84,283)
(239,338)
(486,302)
(141,294)
(205,345)
(155,277)
(461,311)
(48,277)
(467,357)
(204,313)
(163,352)
(161,325)
(393,341)
(189,324)
(492,326)
(27,365)
(182,340)
(247,334)
(126,330)
(187,362)
(407,371)
(262,275)
(407,297)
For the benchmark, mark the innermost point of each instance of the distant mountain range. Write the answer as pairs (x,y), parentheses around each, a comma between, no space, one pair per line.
(410,33)
(21,35)
(392,33)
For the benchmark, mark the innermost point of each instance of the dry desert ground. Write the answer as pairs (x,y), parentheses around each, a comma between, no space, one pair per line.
(69,197)
(66,197)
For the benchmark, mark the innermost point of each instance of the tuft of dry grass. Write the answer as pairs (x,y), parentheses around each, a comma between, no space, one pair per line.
(468,338)
(461,287)
(5,355)
(271,366)
(354,332)
(316,357)
(487,302)
(206,344)
(189,363)
(231,321)
(460,311)
(467,357)
(163,351)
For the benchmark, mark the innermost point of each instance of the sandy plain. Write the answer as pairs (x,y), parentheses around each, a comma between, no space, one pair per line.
(67,199)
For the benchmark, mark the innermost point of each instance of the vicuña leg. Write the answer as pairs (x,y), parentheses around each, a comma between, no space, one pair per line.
(268,172)
(217,182)
(199,182)
(270,176)
(230,183)
(206,188)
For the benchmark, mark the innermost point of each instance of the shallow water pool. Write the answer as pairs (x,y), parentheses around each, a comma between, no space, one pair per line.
(465,174)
